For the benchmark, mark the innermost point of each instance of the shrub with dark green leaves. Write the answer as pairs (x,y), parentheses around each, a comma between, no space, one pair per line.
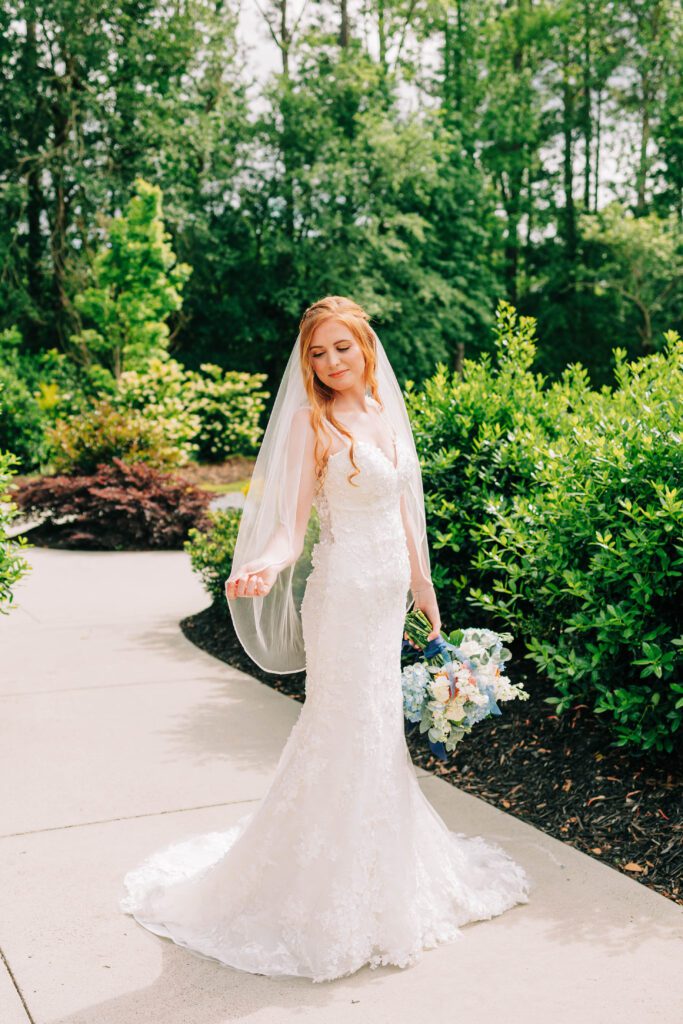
(120,507)
(555,512)
(12,565)
(588,563)
(21,417)
(479,436)
(212,546)
(38,388)
(21,420)
(64,388)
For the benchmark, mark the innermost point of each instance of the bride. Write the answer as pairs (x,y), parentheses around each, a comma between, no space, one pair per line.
(344,862)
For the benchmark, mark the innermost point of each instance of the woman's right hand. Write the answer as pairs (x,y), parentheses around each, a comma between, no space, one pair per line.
(247,583)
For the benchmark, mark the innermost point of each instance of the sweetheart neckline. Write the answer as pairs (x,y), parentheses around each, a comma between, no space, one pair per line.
(377,448)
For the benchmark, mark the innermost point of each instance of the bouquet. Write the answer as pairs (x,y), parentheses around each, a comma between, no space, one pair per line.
(454,682)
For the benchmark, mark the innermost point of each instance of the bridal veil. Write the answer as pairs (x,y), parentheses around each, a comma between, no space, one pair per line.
(269,626)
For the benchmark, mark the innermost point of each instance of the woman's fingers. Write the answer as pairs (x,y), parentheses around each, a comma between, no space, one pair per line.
(411,642)
(245,585)
(230,586)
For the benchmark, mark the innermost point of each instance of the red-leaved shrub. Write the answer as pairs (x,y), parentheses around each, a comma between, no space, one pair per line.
(120,507)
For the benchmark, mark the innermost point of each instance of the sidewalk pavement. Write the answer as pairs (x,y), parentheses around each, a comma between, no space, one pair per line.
(119,736)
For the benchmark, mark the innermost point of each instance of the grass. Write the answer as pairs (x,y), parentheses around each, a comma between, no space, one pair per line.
(230,488)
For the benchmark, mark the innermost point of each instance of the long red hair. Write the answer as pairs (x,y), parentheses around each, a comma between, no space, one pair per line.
(320,396)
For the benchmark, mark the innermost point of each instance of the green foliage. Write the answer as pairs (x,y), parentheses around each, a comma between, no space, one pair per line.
(208,414)
(427,161)
(476,435)
(642,261)
(21,417)
(159,394)
(559,511)
(65,388)
(211,550)
(36,390)
(21,421)
(12,565)
(103,433)
(137,284)
(589,562)
(228,406)
(55,409)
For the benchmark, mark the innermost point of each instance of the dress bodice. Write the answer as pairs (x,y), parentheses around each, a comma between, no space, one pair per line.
(368,505)
(362,545)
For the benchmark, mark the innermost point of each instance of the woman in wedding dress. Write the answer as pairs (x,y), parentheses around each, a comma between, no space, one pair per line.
(344,862)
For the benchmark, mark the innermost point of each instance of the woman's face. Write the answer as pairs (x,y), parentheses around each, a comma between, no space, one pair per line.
(336,357)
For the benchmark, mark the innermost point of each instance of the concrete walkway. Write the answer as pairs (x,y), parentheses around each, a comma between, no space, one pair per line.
(119,736)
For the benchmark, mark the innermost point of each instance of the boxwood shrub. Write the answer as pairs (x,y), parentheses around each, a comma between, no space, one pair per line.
(556,512)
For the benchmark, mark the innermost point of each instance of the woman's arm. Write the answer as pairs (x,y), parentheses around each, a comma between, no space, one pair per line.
(255,578)
(421,585)
(418,576)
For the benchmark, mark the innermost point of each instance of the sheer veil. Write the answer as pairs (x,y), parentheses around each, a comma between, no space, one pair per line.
(274,520)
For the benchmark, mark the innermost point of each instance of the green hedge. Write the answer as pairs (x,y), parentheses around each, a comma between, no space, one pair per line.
(558,512)
(21,417)
(12,565)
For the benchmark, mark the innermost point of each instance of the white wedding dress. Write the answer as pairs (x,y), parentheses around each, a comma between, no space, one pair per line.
(344,862)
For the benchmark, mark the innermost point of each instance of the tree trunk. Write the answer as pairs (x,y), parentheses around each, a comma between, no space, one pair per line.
(35,200)
(598,140)
(568,161)
(587,112)
(344,25)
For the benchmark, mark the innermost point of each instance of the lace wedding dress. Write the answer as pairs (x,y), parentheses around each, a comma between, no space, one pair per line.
(344,862)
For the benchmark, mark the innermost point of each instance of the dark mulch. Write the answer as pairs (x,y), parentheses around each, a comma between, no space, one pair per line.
(558,774)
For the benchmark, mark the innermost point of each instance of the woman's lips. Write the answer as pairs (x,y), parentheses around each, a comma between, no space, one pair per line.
(337,374)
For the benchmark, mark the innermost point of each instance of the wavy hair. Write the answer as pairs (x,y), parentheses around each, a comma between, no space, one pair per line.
(320,396)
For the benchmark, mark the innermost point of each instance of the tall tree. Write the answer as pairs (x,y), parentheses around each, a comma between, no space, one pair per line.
(88,104)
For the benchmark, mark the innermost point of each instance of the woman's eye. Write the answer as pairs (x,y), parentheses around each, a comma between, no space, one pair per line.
(316,355)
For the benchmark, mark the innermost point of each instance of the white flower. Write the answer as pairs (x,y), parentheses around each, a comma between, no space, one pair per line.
(440,689)
(455,709)
(470,648)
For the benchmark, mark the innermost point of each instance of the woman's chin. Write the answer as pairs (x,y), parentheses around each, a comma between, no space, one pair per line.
(340,383)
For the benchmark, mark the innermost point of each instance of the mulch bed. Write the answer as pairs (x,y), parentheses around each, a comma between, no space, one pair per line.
(236,468)
(558,774)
